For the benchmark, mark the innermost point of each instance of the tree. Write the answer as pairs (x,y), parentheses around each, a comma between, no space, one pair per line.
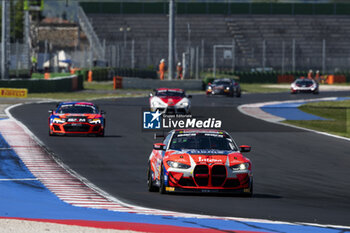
(16,18)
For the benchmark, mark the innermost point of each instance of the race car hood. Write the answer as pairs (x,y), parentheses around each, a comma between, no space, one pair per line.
(206,157)
(171,100)
(89,116)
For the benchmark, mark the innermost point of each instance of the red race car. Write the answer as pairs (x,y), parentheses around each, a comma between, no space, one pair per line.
(202,161)
(77,118)
(170,100)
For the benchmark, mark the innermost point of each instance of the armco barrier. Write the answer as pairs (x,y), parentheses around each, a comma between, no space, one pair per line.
(139,83)
(62,84)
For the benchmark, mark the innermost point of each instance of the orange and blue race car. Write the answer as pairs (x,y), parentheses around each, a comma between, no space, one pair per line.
(73,118)
(203,161)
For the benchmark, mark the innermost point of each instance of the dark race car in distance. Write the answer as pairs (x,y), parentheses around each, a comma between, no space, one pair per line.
(303,85)
(72,118)
(201,161)
(226,86)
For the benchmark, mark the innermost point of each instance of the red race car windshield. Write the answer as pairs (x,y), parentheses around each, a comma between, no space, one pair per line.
(78,109)
(170,93)
(206,141)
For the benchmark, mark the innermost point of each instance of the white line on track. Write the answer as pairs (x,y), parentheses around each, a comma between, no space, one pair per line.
(254,110)
(20,179)
(28,144)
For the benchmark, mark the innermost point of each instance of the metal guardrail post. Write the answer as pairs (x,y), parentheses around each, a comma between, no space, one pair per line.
(5,39)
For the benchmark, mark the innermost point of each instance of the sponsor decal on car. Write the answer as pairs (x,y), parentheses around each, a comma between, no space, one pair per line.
(76,119)
(170,189)
(209,160)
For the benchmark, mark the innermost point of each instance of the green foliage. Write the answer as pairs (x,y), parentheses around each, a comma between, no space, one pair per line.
(42,85)
(20,74)
(247,77)
(257,77)
(263,77)
(16,18)
(52,75)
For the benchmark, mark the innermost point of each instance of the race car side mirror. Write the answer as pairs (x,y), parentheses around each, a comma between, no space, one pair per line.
(150,94)
(159,146)
(50,111)
(245,148)
(103,112)
(189,96)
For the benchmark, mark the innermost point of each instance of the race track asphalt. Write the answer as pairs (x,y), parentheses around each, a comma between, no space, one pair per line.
(299,176)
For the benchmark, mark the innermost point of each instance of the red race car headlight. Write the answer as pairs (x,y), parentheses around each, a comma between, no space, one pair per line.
(174,164)
(240,167)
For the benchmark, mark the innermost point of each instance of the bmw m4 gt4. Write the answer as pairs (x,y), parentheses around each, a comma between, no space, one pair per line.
(202,161)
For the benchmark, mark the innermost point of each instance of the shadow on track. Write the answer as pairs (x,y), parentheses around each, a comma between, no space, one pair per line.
(226,195)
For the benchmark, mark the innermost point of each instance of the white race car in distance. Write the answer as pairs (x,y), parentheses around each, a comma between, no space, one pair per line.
(170,100)
(304,85)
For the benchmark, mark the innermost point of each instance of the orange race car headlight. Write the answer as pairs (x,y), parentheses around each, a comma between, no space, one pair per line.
(58,120)
(95,121)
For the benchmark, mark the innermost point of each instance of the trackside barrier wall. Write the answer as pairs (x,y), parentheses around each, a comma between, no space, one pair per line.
(139,83)
(107,73)
(20,73)
(217,8)
(63,84)
(275,77)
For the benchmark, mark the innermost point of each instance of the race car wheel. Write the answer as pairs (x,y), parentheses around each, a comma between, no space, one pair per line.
(102,134)
(238,94)
(151,187)
(162,185)
(51,133)
(250,193)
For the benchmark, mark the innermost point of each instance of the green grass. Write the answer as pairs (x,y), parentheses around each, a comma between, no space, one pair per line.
(52,75)
(260,88)
(98,85)
(336,111)
(93,90)
(81,95)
